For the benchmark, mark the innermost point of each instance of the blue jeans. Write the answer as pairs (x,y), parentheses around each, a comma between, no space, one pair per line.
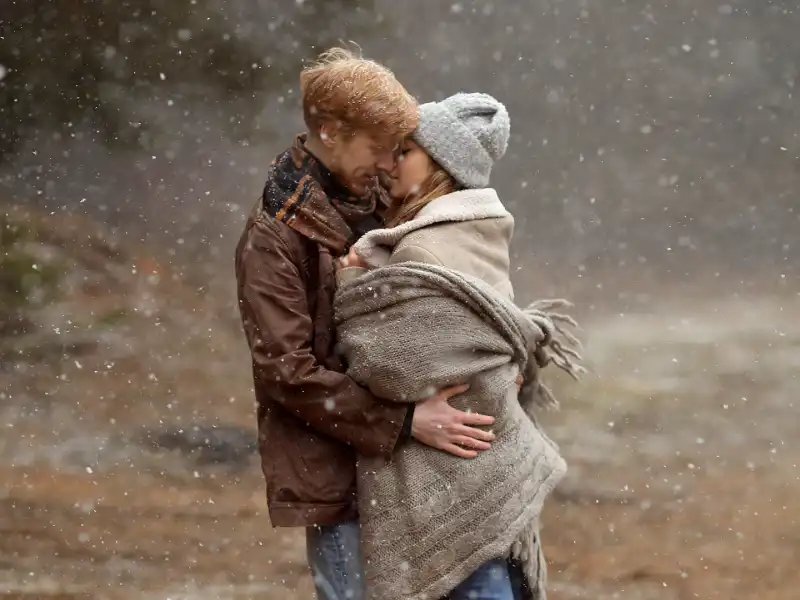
(491,581)
(334,555)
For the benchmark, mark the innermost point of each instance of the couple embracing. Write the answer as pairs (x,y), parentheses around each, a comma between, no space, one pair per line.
(396,379)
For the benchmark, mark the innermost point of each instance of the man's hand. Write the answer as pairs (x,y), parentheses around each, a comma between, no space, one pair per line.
(439,425)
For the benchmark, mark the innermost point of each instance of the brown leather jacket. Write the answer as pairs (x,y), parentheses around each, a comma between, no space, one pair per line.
(312,419)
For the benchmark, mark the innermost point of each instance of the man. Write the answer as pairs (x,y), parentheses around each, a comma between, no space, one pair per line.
(320,196)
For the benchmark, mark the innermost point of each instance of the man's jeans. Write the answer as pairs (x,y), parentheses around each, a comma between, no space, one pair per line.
(334,555)
(491,581)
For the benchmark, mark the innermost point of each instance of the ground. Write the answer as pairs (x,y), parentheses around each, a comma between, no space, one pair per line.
(127,467)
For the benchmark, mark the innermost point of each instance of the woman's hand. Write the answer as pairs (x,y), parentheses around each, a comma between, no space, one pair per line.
(352,260)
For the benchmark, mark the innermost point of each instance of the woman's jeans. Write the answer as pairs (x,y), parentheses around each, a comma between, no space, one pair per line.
(334,555)
(491,581)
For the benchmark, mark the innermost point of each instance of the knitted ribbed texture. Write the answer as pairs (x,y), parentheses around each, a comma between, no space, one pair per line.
(429,519)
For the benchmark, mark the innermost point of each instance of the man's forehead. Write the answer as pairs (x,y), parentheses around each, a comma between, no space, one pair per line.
(387,142)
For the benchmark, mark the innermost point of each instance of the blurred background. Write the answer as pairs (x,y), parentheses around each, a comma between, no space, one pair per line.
(654,171)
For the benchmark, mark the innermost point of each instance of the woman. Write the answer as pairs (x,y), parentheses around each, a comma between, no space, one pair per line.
(426,303)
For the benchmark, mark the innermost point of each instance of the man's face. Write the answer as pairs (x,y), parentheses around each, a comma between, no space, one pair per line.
(359,157)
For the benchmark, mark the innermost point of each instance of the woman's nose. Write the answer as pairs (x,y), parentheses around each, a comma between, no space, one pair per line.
(384,179)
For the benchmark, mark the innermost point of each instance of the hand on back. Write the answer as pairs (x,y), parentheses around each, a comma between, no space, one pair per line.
(439,425)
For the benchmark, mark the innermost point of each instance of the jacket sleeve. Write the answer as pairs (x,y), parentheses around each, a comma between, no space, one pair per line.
(279,331)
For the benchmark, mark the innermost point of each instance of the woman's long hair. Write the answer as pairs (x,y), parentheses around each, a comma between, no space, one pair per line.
(438,183)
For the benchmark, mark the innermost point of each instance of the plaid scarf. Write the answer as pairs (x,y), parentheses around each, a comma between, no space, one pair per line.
(301,192)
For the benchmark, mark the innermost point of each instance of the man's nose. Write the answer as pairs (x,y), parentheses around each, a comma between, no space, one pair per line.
(386,163)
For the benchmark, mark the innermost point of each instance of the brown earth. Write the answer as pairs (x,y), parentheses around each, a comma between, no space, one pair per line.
(682,446)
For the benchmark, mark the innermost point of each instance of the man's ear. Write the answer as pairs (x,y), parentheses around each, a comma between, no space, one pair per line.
(329,133)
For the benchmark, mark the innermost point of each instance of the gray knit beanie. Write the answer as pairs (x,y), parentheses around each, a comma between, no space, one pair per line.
(465,134)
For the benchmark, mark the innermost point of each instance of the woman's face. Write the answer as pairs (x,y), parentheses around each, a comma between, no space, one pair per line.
(412,168)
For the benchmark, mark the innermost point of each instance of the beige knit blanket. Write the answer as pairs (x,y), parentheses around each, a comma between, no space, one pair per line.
(429,519)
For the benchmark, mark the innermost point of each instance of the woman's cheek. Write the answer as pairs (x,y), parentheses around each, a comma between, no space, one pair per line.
(396,189)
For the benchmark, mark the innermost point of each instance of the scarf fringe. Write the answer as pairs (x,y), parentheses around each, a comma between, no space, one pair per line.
(560,346)
(557,345)
(527,551)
